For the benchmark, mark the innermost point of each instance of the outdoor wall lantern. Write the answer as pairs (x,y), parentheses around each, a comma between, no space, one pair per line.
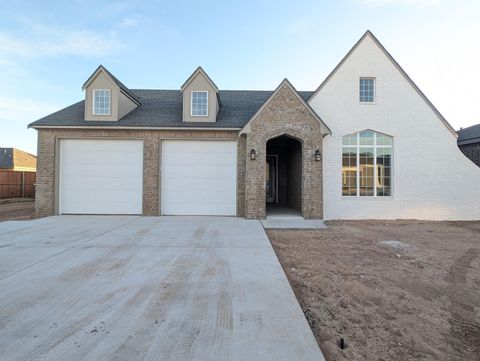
(253,154)
(318,155)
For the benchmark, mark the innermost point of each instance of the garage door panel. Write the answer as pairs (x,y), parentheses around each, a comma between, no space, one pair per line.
(199,177)
(99,176)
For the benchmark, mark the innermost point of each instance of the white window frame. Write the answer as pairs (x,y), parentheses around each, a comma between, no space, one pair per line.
(109,102)
(375,147)
(374,89)
(191,103)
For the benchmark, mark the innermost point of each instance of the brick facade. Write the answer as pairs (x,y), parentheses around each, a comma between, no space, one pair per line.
(472,152)
(46,202)
(286,115)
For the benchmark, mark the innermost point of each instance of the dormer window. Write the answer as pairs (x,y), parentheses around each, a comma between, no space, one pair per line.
(199,104)
(101,102)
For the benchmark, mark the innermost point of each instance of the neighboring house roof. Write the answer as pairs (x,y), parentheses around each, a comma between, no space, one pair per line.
(469,135)
(6,158)
(122,86)
(16,159)
(368,33)
(163,108)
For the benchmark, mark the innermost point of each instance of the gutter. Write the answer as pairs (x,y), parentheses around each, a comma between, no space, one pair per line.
(127,127)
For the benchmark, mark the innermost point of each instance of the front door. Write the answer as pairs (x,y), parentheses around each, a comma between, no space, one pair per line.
(271,178)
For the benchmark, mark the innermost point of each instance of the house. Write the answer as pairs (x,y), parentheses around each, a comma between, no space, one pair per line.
(17,160)
(469,142)
(17,173)
(366,144)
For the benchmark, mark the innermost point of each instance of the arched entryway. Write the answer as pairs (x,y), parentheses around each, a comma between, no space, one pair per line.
(287,123)
(283,176)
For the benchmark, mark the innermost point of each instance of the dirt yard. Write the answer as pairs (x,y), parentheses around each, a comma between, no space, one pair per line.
(400,290)
(17,209)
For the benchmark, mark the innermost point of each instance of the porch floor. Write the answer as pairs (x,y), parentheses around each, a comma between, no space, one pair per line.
(281,216)
(280,210)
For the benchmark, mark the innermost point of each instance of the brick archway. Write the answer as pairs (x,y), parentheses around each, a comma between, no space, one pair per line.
(284,175)
(311,177)
(284,114)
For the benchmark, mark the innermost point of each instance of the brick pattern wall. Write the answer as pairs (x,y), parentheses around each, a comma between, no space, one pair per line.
(432,179)
(472,152)
(284,115)
(47,164)
(241,168)
(46,174)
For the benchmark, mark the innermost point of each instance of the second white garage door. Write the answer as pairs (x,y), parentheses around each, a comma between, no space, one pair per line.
(199,177)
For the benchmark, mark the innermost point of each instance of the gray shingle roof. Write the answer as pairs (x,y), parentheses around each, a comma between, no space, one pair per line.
(469,135)
(163,108)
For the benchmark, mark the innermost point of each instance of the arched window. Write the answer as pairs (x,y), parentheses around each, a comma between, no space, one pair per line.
(367,164)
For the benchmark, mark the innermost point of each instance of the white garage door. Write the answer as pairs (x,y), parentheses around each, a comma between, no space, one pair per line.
(199,177)
(101,176)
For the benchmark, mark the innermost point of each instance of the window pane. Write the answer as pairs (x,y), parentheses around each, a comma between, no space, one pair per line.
(367,90)
(383,139)
(366,171)
(349,171)
(373,155)
(367,137)
(383,171)
(199,103)
(101,102)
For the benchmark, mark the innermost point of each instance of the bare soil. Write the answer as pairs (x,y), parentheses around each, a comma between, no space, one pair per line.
(396,290)
(17,209)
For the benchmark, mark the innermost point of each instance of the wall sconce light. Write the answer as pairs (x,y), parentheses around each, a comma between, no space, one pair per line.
(318,155)
(253,154)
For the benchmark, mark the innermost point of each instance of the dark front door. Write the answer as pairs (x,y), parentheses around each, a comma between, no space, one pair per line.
(271,178)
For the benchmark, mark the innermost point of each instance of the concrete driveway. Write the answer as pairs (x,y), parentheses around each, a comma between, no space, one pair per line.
(139,288)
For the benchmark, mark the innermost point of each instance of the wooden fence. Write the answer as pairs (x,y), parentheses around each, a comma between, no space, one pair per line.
(15,184)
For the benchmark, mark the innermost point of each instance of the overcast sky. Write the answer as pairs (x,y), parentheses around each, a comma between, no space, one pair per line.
(49,48)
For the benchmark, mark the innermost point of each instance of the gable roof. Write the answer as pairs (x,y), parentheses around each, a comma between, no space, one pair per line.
(163,109)
(197,71)
(285,81)
(469,135)
(117,82)
(368,33)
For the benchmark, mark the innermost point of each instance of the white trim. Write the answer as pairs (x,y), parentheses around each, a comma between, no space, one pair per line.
(109,102)
(191,103)
(126,127)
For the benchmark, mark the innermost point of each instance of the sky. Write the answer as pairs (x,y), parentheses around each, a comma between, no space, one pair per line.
(48,49)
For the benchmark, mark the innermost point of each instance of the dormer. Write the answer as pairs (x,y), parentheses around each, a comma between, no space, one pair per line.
(200,98)
(106,98)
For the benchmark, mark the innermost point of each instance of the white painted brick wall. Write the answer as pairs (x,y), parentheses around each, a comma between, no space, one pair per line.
(432,179)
